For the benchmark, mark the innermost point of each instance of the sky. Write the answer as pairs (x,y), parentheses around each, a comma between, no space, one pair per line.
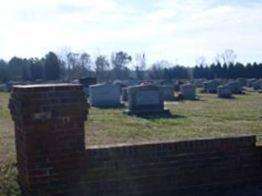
(179,31)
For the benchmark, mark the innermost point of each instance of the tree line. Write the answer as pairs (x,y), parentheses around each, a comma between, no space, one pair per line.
(121,66)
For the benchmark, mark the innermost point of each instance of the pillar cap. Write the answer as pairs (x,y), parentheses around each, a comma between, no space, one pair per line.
(46,87)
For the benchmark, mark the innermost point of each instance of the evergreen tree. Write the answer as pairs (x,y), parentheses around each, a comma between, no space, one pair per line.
(52,66)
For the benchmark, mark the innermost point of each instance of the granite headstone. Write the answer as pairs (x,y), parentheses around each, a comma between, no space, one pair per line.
(145,99)
(104,95)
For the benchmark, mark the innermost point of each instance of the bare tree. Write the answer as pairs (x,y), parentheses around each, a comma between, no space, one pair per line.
(79,65)
(201,61)
(119,61)
(140,65)
(72,65)
(85,64)
(227,57)
(62,57)
(157,71)
(102,66)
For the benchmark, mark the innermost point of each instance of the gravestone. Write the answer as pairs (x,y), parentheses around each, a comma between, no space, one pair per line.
(105,95)
(242,82)
(144,100)
(250,82)
(86,82)
(168,92)
(120,83)
(166,83)
(3,87)
(235,87)
(124,94)
(132,82)
(224,91)
(10,84)
(188,91)
(199,83)
(211,86)
(177,85)
(257,84)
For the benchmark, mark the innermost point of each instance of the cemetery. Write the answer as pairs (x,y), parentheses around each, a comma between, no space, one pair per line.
(100,134)
(130,98)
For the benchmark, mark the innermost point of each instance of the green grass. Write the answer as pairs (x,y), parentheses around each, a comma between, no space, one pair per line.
(209,117)
(8,172)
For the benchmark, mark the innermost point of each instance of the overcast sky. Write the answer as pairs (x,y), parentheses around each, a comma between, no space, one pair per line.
(176,30)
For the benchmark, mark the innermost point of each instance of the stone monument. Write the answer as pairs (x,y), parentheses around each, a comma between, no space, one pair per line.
(145,100)
(257,84)
(235,87)
(168,92)
(211,86)
(224,91)
(86,82)
(124,94)
(188,91)
(105,95)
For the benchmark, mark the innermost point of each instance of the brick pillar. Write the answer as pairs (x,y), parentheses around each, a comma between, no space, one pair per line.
(49,135)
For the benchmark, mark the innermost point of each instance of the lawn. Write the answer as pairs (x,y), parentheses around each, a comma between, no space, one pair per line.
(208,117)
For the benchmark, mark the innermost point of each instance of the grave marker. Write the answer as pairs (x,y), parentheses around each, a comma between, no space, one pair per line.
(105,95)
(145,99)
(188,91)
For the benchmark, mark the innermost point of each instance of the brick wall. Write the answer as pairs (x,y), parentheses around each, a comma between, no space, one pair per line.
(155,169)
(52,159)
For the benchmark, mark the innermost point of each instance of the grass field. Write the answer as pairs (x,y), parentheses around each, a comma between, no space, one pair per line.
(208,117)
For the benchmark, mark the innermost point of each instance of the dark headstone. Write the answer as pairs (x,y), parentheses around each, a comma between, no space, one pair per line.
(145,99)
(224,91)
(188,91)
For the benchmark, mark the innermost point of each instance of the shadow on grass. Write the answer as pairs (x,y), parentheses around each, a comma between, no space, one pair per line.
(196,99)
(109,107)
(227,98)
(160,116)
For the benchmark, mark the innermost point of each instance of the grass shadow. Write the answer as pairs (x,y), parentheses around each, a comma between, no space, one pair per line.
(121,106)
(227,98)
(197,99)
(160,116)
